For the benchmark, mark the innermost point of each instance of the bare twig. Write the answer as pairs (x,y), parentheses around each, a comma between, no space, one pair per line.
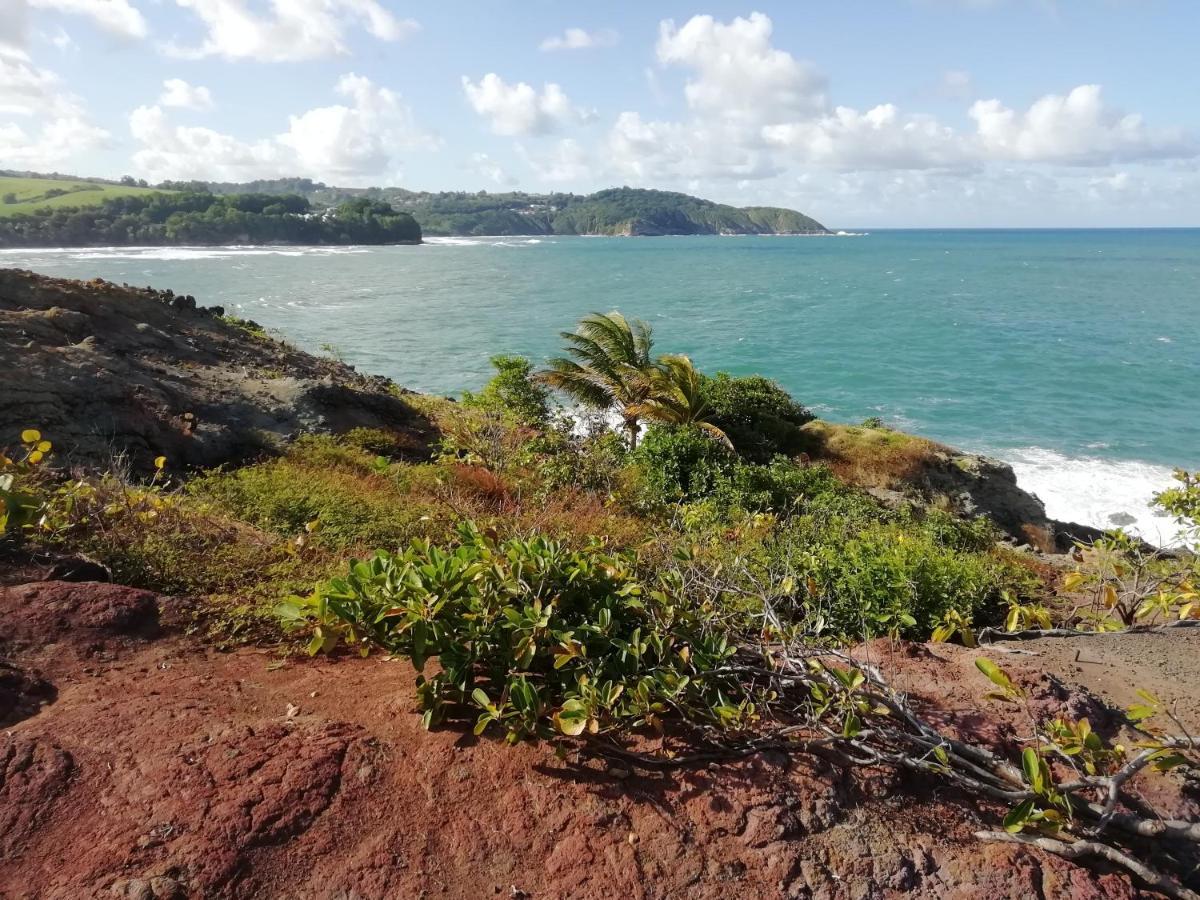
(1076,850)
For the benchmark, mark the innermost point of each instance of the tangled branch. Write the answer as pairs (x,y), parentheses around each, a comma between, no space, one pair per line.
(1081,818)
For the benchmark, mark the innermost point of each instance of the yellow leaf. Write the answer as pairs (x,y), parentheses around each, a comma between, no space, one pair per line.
(36,456)
(1073,580)
(31,435)
(159,462)
(570,727)
(44,446)
(1110,596)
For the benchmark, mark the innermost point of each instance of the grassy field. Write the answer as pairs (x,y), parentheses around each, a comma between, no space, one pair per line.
(31,193)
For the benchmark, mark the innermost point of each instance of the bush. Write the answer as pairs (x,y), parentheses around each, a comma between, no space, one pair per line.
(591,462)
(540,638)
(840,570)
(346,506)
(760,417)
(512,393)
(678,463)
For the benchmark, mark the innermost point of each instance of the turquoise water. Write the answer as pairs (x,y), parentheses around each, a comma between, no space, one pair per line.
(1074,355)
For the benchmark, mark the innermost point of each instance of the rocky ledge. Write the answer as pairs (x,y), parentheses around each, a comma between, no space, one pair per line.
(114,371)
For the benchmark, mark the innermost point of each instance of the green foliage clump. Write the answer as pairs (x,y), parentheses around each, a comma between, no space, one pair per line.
(589,462)
(513,393)
(1183,502)
(538,637)
(683,465)
(249,326)
(759,417)
(22,500)
(341,494)
(678,464)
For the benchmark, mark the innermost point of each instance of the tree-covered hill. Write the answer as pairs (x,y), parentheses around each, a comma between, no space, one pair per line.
(192,217)
(235,211)
(616,211)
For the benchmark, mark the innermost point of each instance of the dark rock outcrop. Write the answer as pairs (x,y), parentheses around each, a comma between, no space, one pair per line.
(109,372)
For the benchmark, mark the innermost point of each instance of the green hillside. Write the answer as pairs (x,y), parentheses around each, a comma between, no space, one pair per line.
(616,211)
(24,194)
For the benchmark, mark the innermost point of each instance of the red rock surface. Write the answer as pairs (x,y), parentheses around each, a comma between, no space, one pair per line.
(166,770)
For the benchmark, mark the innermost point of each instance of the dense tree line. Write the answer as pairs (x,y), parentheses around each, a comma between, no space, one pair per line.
(195,217)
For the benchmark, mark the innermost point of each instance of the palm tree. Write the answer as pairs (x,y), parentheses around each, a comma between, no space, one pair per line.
(609,366)
(674,397)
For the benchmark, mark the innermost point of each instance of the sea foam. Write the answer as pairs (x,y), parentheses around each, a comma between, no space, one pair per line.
(1103,493)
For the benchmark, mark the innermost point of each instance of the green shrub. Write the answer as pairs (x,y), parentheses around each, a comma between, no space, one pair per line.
(678,463)
(592,462)
(341,507)
(377,442)
(782,486)
(538,637)
(760,417)
(512,393)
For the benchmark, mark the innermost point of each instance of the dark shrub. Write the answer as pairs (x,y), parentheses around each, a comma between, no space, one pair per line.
(759,416)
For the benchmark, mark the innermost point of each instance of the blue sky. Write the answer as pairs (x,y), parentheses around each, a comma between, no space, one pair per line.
(868,113)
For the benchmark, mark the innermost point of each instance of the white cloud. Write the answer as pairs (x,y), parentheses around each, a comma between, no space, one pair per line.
(647,152)
(26,89)
(482,164)
(56,142)
(957,84)
(62,40)
(755,111)
(567,162)
(351,142)
(580,39)
(517,109)
(295,30)
(738,73)
(114,16)
(1076,129)
(345,144)
(53,129)
(178,93)
(880,138)
(13,26)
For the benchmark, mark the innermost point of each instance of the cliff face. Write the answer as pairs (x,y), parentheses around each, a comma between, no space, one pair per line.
(112,370)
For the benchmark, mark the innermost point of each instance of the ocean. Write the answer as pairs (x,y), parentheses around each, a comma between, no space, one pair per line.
(1074,355)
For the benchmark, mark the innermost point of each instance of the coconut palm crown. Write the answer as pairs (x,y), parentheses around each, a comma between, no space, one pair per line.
(674,396)
(607,366)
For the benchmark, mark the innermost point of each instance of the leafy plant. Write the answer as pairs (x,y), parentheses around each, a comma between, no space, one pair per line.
(21,503)
(513,393)
(540,638)
(760,418)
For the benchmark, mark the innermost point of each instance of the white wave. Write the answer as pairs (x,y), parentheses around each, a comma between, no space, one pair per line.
(453,242)
(1103,493)
(187,253)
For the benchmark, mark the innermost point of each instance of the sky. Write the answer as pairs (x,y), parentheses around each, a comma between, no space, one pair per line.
(883,113)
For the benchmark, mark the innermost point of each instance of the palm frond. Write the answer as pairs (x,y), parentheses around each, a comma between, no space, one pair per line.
(579,382)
